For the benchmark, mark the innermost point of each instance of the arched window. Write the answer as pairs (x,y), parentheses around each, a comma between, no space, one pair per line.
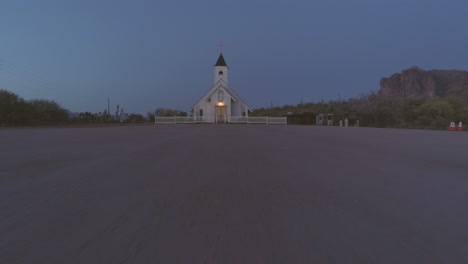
(201,112)
(220,96)
(220,72)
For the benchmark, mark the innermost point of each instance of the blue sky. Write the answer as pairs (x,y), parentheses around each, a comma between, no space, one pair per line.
(150,54)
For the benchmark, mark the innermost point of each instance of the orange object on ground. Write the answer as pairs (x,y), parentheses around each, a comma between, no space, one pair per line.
(452,126)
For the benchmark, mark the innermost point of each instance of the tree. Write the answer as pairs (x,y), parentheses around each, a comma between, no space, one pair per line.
(15,111)
(135,118)
(460,108)
(150,116)
(12,108)
(87,117)
(105,117)
(167,112)
(47,112)
(436,107)
(118,114)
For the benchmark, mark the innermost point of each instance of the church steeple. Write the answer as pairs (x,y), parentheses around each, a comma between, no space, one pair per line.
(221,61)
(220,70)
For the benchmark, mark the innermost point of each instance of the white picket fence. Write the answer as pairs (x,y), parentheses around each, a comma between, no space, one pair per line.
(230,119)
(258,120)
(182,120)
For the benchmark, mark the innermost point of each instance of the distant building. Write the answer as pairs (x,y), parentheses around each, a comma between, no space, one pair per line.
(220,103)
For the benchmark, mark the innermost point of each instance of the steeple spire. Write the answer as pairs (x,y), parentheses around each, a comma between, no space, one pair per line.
(221,61)
(220,70)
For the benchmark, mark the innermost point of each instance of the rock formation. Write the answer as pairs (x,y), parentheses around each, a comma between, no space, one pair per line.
(416,83)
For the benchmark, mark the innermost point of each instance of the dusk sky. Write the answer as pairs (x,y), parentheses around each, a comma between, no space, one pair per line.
(149,54)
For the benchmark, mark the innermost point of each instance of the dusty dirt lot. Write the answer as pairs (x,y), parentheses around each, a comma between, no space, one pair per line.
(233,194)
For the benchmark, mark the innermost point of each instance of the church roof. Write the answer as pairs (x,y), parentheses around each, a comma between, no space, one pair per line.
(221,61)
(227,88)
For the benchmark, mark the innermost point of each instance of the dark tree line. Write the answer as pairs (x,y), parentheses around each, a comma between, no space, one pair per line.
(373,111)
(376,111)
(15,111)
(164,112)
(425,113)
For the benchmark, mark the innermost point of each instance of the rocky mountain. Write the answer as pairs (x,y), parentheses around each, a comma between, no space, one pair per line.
(415,83)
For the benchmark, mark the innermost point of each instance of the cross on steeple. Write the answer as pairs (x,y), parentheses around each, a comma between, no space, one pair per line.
(221,46)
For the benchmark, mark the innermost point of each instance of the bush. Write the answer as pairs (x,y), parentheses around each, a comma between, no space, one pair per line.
(14,110)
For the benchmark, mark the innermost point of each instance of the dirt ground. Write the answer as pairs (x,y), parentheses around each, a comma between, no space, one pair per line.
(233,194)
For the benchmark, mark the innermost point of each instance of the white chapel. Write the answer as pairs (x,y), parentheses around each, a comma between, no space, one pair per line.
(220,103)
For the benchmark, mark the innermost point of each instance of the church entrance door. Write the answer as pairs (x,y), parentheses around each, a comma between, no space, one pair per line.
(221,112)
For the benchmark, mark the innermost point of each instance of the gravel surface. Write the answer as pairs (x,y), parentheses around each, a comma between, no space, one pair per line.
(233,194)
